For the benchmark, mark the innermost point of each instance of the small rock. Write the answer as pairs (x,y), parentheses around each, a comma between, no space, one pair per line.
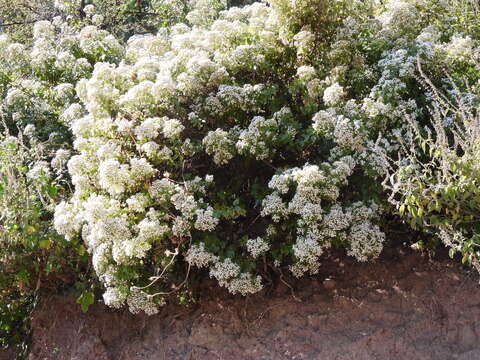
(329,284)
(466,338)
(471,355)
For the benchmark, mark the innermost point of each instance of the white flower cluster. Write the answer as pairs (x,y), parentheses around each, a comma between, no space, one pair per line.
(351,226)
(140,301)
(344,131)
(60,159)
(142,123)
(114,297)
(257,247)
(219,144)
(366,241)
(262,135)
(313,183)
(39,171)
(227,273)
(333,94)
(205,221)
(398,15)
(199,257)
(319,224)
(29,130)
(397,66)
(304,41)
(306,73)
(244,98)
(204,11)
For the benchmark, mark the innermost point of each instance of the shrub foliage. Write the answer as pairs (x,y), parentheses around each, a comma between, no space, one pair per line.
(233,140)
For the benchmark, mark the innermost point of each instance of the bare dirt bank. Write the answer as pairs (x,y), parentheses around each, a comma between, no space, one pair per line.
(403,307)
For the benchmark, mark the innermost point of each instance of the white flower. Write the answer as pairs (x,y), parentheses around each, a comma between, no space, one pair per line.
(66,221)
(366,241)
(184,203)
(323,121)
(72,113)
(60,159)
(113,176)
(306,73)
(205,221)
(43,29)
(224,271)
(140,170)
(274,206)
(29,130)
(255,140)
(64,92)
(209,178)
(138,202)
(138,301)
(460,48)
(89,10)
(97,19)
(162,190)
(172,128)
(336,219)
(40,170)
(218,144)
(148,129)
(333,94)
(150,229)
(199,257)
(303,41)
(307,250)
(114,297)
(257,247)
(181,227)
(245,284)
(280,182)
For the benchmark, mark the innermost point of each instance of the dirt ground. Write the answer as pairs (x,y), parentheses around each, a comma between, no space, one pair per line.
(403,307)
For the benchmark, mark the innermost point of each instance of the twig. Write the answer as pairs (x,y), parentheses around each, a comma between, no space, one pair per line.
(20,23)
(177,287)
(287,284)
(154,279)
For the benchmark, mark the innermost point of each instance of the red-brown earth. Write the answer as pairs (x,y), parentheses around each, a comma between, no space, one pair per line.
(402,307)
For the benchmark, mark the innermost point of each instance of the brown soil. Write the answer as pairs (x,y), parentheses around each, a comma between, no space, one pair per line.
(401,308)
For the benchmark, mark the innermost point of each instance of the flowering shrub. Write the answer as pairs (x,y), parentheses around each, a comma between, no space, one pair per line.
(121,18)
(301,118)
(237,140)
(163,130)
(37,87)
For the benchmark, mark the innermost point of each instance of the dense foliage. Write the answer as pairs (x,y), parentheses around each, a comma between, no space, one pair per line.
(238,140)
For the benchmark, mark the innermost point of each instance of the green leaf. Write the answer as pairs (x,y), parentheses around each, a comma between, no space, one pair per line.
(51,190)
(85,300)
(45,243)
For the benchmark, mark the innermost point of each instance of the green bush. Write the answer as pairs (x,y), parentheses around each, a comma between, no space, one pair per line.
(32,254)
(236,140)
(299,101)
(435,181)
(38,104)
